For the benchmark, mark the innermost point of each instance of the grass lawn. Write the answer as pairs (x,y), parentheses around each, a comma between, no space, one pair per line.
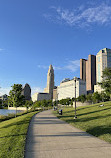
(92,119)
(13,135)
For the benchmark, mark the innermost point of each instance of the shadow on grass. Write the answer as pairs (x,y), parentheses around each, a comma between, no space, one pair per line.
(82,119)
(82,108)
(94,111)
(16,123)
(11,116)
(91,112)
(68,111)
(13,135)
(93,118)
(99,130)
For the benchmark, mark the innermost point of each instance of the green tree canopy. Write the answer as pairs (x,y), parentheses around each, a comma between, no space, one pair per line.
(28,103)
(89,97)
(104,96)
(106,80)
(82,98)
(15,98)
(96,97)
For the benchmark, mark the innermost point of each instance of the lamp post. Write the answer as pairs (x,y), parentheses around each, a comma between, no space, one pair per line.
(75,117)
(57,99)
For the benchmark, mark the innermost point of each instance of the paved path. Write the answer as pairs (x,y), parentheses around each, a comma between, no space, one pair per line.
(49,137)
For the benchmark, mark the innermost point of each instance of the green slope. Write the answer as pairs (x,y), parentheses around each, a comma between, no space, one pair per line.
(13,135)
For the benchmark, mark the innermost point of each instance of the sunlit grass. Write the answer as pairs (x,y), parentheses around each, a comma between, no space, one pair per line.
(13,135)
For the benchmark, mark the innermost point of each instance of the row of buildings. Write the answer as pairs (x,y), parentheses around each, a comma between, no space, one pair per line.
(66,89)
(90,74)
(91,70)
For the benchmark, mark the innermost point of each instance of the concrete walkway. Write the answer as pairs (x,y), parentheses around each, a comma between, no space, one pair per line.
(49,137)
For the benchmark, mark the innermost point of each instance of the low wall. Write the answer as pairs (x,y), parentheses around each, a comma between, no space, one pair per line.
(18,108)
(81,104)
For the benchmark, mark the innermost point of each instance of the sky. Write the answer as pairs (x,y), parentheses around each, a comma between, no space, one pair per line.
(37,33)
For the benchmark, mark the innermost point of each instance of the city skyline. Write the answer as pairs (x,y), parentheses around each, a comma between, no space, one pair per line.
(35,34)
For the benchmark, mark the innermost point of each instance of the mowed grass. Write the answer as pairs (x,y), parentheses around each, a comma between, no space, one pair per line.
(92,119)
(13,135)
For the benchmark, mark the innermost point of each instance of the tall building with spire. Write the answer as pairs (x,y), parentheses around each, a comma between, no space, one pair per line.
(50,81)
(48,91)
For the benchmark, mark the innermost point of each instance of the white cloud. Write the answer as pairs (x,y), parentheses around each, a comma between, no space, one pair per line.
(5,90)
(82,16)
(57,68)
(42,66)
(36,89)
(1,49)
(72,65)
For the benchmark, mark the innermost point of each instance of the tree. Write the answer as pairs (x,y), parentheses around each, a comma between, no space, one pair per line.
(44,103)
(106,80)
(5,103)
(36,104)
(73,99)
(15,98)
(96,97)
(68,101)
(83,98)
(104,97)
(71,102)
(55,103)
(49,102)
(28,103)
(89,97)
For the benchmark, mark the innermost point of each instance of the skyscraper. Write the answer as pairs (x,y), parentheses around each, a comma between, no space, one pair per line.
(103,60)
(88,72)
(26,92)
(83,69)
(50,81)
(48,91)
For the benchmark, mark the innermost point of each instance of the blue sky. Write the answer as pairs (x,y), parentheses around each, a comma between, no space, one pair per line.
(37,33)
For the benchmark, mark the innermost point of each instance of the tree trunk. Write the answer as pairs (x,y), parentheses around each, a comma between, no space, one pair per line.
(16,112)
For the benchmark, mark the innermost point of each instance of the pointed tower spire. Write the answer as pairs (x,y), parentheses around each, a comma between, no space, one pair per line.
(50,81)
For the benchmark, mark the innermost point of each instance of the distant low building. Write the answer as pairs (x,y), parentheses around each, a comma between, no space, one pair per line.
(55,93)
(67,88)
(41,96)
(97,88)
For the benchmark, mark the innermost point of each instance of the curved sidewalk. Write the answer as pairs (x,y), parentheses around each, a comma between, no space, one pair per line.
(49,137)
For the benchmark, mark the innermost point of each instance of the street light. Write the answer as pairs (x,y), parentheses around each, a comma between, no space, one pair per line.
(57,99)
(75,78)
